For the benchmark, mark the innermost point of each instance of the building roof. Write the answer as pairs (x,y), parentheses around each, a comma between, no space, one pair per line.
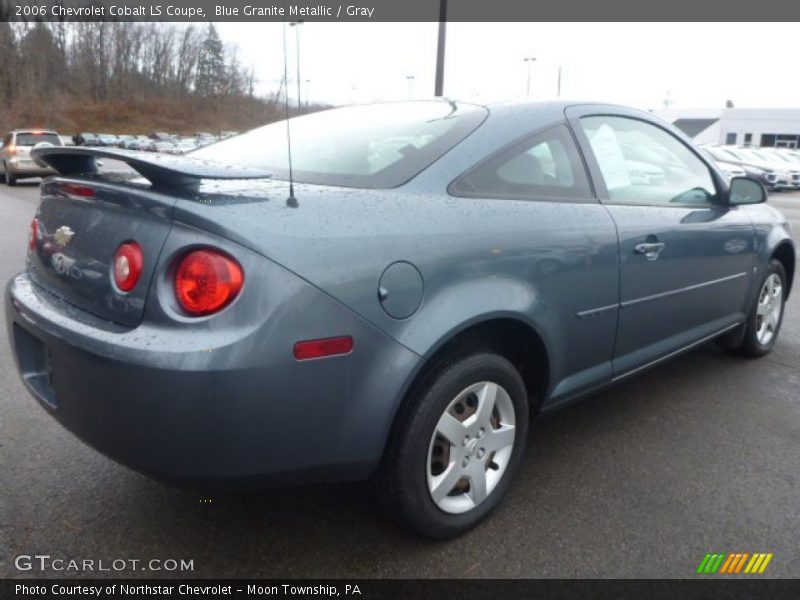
(692,127)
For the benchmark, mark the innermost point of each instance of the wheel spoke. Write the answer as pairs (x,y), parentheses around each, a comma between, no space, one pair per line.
(477,483)
(497,439)
(443,484)
(486,400)
(772,320)
(762,309)
(451,429)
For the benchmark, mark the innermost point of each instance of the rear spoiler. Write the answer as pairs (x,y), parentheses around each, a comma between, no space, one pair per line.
(162,170)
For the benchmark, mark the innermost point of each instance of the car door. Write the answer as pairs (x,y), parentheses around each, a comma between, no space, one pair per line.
(686,258)
(566,250)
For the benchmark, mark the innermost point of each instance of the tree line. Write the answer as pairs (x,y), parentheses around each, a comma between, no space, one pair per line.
(106,60)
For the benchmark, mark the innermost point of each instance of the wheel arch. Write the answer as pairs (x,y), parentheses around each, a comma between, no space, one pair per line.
(786,255)
(508,335)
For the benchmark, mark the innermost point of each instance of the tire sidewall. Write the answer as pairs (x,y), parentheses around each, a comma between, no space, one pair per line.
(431,403)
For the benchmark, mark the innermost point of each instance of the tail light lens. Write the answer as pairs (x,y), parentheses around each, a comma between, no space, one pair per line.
(207,281)
(12,149)
(128,264)
(33,236)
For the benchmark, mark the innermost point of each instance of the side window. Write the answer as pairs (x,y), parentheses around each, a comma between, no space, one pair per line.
(644,164)
(546,165)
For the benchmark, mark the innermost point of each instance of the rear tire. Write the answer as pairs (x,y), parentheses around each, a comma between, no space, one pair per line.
(11,179)
(764,322)
(3,174)
(442,486)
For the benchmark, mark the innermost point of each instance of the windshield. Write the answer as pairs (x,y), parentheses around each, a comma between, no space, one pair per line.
(31,139)
(751,155)
(776,155)
(371,146)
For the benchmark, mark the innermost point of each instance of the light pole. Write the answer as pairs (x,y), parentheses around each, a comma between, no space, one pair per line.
(559,82)
(530,60)
(410,79)
(296,25)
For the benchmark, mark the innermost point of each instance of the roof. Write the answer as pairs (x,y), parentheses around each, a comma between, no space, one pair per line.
(35,131)
(692,127)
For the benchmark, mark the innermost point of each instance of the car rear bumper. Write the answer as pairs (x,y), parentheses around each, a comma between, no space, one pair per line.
(197,416)
(28,168)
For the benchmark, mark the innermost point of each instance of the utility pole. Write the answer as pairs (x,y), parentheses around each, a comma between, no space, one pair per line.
(439,85)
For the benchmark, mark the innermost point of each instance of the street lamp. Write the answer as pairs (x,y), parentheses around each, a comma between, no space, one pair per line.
(530,60)
(296,25)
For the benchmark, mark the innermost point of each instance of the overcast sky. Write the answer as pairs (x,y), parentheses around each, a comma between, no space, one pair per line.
(699,65)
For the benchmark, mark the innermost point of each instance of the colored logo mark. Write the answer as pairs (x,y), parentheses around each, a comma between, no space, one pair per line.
(734,563)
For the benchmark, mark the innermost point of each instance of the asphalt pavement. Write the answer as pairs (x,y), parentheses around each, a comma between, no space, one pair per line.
(698,455)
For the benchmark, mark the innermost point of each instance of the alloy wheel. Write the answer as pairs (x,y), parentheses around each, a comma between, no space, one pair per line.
(769,309)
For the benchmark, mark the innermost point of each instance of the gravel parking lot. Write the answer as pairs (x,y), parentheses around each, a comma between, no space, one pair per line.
(698,455)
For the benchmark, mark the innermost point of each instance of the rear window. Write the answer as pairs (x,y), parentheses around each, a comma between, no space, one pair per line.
(372,146)
(31,139)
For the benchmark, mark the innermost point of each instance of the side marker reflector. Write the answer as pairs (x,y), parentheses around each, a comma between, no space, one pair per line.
(321,348)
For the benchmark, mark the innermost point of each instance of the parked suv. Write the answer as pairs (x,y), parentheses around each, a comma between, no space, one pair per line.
(15,160)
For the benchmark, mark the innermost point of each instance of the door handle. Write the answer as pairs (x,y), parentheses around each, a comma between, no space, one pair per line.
(651,250)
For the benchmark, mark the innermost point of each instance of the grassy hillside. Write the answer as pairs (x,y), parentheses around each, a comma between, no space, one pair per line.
(185,116)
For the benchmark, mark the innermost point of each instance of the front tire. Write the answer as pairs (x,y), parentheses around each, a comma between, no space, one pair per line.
(764,322)
(456,445)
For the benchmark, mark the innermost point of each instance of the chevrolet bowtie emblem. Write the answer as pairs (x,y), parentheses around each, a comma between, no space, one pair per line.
(63,235)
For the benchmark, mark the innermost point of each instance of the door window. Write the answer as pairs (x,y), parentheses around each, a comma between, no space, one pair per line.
(546,165)
(644,164)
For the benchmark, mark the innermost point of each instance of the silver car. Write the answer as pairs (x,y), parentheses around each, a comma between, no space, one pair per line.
(15,159)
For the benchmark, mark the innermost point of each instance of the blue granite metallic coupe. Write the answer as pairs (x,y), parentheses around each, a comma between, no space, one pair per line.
(395,304)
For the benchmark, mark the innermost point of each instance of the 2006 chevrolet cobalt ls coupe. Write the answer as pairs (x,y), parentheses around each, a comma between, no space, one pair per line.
(438,272)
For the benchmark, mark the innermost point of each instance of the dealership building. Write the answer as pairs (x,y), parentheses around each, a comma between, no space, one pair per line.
(741,126)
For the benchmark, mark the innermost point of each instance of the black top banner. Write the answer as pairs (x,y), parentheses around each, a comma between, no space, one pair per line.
(398,10)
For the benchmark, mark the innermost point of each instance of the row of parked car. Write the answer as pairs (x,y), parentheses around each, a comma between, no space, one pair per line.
(776,168)
(166,143)
(17,163)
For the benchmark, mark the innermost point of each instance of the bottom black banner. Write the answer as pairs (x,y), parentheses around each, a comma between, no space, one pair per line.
(369,589)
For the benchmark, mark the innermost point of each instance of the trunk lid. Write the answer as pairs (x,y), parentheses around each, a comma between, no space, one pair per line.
(81,224)
(85,216)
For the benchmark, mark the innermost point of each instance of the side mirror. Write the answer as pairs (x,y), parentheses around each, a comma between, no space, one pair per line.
(745,190)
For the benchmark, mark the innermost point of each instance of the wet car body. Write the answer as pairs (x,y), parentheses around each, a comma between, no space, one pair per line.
(402,272)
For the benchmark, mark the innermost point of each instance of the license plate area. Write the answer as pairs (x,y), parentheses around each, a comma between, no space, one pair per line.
(36,365)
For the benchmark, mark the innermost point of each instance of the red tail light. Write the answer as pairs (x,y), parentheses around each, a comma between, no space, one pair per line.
(324,347)
(12,149)
(207,281)
(128,264)
(33,236)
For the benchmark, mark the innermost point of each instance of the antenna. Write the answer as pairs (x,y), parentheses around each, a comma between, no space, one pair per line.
(291,201)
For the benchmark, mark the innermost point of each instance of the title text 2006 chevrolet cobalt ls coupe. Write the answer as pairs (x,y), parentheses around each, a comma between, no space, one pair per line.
(441,271)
